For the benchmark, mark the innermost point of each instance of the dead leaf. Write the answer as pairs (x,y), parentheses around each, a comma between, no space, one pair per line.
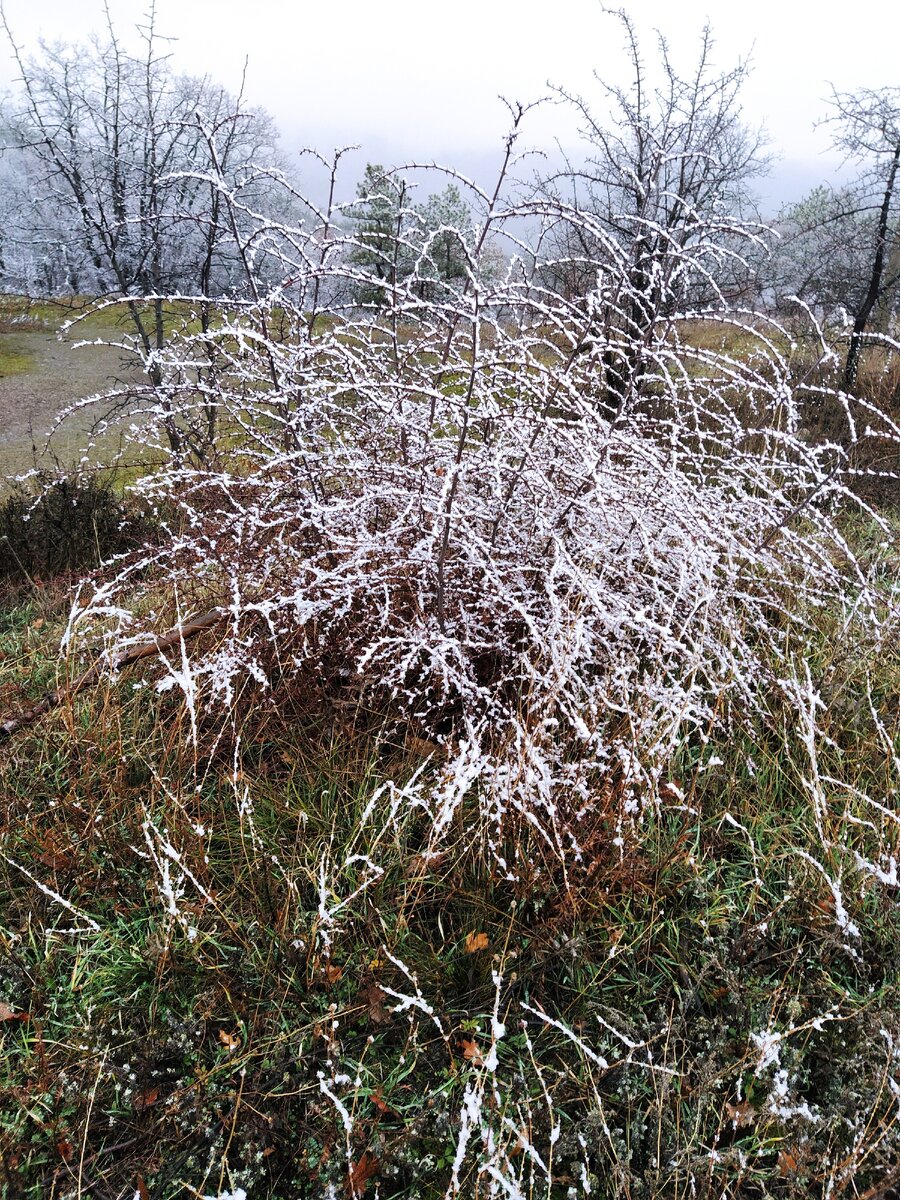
(38,624)
(787,1162)
(333,974)
(65,1149)
(229,1040)
(471,1052)
(359,1175)
(381,1104)
(378,1014)
(146,1099)
(741,1114)
(7,1014)
(142,1189)
(476,942)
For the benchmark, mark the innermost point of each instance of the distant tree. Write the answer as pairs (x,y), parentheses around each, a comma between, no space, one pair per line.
(841,248)
(661,201)
(118,148)
(378,222)
(396,242)
(445,234)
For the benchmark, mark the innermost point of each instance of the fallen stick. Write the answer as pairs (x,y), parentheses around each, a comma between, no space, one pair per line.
(133,654)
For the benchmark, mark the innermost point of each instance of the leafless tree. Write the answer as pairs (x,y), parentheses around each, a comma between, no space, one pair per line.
(662,197)
(842,246)
(118,142)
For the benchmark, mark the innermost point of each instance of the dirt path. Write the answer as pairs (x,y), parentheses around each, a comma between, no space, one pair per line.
(30,401)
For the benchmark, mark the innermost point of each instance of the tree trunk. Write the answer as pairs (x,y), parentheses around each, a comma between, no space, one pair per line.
(876,285)
(888,301)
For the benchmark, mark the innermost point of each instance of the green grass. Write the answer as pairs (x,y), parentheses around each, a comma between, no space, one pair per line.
(14,358)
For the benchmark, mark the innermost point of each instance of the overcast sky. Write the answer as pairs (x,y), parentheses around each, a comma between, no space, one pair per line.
(420,79)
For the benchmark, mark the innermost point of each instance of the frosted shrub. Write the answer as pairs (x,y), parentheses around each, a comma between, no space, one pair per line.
(558,536)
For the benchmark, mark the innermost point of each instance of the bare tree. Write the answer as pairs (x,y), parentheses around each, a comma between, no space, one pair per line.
(843,246)
(118,143)
(661,202)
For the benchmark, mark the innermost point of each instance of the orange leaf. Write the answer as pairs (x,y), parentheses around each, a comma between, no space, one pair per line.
(360,1174)
(145,1099)
(476,941)
(7,1014)
(142,1189)
(471,1052)
(229,1040)
(787,1162)
(65,1149)
(333,973)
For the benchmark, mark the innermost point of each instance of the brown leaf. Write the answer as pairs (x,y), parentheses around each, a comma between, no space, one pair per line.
(378,1014)
(787,1162)
(146,1099)
(142,1189)
(471,1052)
(38,624)
(741,1114)
(7,1014)
(230,1041)
(65,1149)
(333,974)
(359,1175)
(476,942)
(381,1104)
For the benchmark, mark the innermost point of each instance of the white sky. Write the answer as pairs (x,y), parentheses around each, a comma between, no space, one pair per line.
(420,79)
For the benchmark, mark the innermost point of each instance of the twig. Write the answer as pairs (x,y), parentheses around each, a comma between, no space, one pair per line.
(189,629)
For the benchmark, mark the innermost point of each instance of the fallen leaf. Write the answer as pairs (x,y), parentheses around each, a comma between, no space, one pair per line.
(7,1014)
(381,1104)
(787,1162)
(142,1189)
(476,942)
(741,1114)
(333,974)
(378,1014)
(146,1099)
(471,1052)
(359,1175)
(38,624)
(229,1040)
(65,1149)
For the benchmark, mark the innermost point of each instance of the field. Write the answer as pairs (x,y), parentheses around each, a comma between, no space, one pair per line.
(288,954)
(40,375)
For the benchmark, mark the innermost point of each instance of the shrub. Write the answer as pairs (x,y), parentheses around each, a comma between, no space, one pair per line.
(64,524)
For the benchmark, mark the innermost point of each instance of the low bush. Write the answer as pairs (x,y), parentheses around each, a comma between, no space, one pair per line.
(65,523)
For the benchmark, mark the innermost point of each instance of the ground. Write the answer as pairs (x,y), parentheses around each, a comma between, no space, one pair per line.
(39,376)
